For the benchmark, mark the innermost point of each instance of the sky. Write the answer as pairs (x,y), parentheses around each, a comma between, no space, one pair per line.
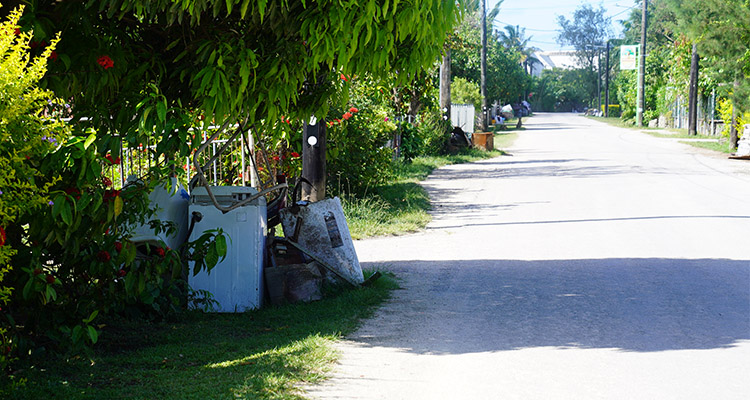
(539,17)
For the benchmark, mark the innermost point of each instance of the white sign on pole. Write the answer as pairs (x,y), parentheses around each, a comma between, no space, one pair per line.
(628,57)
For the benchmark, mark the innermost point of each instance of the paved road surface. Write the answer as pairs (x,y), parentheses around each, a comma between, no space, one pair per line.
(593,263)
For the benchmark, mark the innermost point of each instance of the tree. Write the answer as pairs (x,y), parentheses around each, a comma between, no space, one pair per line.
(514,39)
(587,32)
(721,30)
(466,92)
(158,73)
(506,79)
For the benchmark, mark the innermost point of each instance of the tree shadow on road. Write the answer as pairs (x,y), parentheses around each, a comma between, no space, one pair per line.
(630,304)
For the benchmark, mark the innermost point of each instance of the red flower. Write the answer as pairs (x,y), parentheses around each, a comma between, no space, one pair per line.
(105,62)
(117,161)
(73,192)
(110,194)
(118,246)
(38,271)
(50,279)
(159,251)
(353,110)
(121,273)
(106,181)
(344,78)
(103,256)
(53,55)
(295,154)
(347,115)
(275,158)
(2,236)
(17,32)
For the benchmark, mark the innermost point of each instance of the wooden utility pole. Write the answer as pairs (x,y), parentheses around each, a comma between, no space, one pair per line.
(693,95)
(606,84)
(314,160)
(641,101)
(734,140)
(445,84)
(483,67)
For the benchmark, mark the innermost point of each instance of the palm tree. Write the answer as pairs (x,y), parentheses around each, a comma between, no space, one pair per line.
(513,39)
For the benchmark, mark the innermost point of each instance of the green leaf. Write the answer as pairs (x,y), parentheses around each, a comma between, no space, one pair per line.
(161,110)
(93,334)
(91,317)
(89,140)
(221,246)
(65,213)
(77,333)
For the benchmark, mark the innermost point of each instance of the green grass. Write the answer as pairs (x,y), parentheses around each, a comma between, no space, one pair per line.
(721,146)
(402,206)
(263,354)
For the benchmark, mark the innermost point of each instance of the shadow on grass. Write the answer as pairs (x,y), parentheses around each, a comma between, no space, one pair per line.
(261,354)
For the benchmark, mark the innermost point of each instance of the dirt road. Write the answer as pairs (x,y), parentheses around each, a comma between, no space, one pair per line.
(593,263)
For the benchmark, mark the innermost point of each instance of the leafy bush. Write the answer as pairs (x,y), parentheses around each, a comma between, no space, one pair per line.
(464,91)
(65,254)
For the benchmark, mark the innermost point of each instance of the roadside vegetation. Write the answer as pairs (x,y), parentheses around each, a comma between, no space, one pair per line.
(677,33)
(263,354)
(114,90)
(716,143)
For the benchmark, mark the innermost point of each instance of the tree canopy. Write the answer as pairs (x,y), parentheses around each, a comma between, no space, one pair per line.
(587,32)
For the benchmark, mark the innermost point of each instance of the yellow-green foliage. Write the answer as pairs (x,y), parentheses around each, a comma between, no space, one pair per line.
(25,134)
(725,111)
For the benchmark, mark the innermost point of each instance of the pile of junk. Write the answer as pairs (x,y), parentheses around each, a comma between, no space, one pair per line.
(259,267)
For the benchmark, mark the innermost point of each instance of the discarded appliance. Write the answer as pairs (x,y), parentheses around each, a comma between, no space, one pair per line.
(236,282)
(171,204)
(290,275)
(319,229)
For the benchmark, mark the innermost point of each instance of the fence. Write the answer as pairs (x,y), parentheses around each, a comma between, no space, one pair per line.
(707,123)
(230,167)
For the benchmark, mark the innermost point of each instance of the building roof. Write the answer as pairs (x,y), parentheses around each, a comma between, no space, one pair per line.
(555,59)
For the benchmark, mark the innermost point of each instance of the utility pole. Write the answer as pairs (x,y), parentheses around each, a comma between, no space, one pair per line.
(483,66)
(734,139)
(599,80)
(693,96)
(314,160)
(606,84)
(445,84)
(641,101)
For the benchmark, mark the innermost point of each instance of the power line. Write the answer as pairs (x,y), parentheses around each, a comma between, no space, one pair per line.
(528,29)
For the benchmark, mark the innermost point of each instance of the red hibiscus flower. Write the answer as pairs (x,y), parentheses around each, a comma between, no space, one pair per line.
(105,62)
(103,256)
(118,246)
(343,77)
(294,154)
(159,251)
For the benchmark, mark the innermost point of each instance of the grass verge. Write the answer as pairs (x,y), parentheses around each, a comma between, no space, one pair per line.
(263,354)
(715,143)
(721,146)
(402,206)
